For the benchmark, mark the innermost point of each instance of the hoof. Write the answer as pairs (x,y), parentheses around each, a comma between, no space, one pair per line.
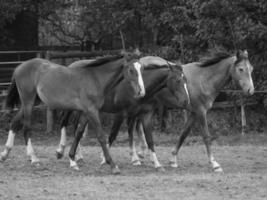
(2,158)
(173,164)
(141,155)
(36,164)
(103,162)
(136,163)
(160,169)
(59,155)
(80,160)
(218,170)
(116,170)
(75,167)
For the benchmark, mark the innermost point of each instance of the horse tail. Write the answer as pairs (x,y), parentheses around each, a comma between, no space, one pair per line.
(12,98)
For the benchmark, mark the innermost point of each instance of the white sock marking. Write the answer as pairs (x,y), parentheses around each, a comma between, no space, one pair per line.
(30,151)
(102,156)
(155,159)
(85,133)
(142,143)
(79,155)
(63,140)
(138,66)
(135,157)
(215,165)
(74,165)
(173,161)
(10,139)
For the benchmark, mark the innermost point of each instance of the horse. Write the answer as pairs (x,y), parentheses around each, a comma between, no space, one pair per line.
(157,74)
(205,79)
(58,87)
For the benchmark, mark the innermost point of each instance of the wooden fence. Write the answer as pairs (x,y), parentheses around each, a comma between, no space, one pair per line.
(7,67)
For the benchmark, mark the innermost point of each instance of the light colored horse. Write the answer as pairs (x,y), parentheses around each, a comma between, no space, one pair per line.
(205,80)
(82,88)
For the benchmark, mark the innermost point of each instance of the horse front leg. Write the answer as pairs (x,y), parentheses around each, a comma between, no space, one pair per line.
(184,134)
(15,126)
(113,134)
(147,126)
(142,140)
(95,124)
(78,135)
(62,143)
(208,141)
(131,127)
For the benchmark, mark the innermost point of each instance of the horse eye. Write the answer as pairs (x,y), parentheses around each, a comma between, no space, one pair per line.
(241,69)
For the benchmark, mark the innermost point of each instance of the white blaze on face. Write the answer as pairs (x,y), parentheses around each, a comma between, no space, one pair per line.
(138,66)
(186,90)
(251,91)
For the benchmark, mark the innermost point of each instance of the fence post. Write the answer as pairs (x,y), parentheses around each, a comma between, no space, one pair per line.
(243,116)
(38,54)
(49,120)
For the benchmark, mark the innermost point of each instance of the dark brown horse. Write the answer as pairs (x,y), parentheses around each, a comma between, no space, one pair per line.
(157,74)
(205,80)
(83,89)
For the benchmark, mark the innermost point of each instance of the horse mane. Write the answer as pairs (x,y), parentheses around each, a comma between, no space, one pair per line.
(103,60)
(213,59)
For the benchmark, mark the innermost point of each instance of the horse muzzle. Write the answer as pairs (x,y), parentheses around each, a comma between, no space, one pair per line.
(140,94)
(250,91)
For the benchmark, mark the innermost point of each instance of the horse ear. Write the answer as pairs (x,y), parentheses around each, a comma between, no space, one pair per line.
(245,53)
(239,54)
(137,52)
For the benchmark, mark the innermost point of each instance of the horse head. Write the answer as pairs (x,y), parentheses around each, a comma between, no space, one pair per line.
(133,72)
(241,72)
(177,84)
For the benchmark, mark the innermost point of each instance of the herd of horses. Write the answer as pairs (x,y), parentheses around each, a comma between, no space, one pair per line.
(131,87)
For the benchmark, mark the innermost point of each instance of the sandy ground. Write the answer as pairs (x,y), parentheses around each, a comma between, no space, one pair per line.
(244,177)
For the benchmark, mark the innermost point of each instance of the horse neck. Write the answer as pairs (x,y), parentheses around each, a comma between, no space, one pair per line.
(109,76)
(155,80)
(217,76)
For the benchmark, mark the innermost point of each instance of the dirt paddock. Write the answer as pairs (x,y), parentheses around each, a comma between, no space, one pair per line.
(244,177)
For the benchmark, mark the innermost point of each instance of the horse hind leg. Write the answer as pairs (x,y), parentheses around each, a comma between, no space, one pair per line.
(62,144)
(15,126)
(27,132)
(63,136)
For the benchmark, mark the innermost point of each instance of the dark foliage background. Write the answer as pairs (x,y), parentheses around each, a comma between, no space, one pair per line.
(183,29)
